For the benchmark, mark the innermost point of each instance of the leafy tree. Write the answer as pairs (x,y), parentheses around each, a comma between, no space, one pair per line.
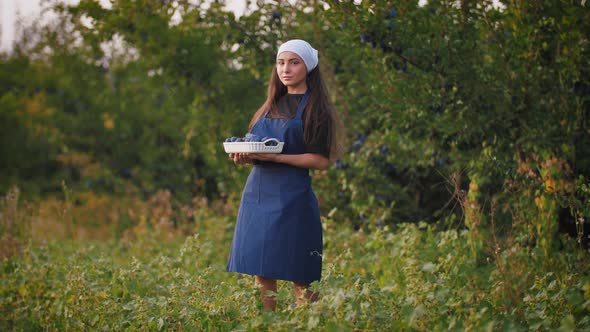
(466,112)
(468,94)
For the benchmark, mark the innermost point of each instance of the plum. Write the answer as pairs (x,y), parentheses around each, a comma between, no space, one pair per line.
(252,138)
(271,143)
(391,13)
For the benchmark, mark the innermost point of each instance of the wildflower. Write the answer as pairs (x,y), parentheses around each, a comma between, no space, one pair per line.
(550,186)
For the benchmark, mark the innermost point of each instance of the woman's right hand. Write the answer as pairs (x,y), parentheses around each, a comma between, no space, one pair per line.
(240,158)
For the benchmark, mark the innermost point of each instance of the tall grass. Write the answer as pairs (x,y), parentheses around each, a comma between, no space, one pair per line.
(155,277)
(15,223)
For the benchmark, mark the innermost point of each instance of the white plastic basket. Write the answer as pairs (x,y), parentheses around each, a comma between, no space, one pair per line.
(253,147)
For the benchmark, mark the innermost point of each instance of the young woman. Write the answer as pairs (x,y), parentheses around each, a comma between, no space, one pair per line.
(278,235)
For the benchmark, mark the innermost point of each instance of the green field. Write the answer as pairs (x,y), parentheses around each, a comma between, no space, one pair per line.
(413,278)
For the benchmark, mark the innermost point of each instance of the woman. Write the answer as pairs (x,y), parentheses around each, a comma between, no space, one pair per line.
(278,234)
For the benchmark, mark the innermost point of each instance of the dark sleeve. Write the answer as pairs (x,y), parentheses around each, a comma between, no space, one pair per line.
(321,145)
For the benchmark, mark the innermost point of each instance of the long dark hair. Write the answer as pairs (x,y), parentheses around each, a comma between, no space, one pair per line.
(319,111)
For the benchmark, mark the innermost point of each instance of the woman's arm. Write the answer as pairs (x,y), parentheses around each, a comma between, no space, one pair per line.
(305,160)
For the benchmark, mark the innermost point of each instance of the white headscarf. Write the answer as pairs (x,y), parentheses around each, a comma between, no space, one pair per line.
(303,49)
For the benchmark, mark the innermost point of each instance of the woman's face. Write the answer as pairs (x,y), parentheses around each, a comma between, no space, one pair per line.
(292,72)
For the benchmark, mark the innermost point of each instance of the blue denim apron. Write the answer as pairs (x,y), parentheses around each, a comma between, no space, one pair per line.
(278,232)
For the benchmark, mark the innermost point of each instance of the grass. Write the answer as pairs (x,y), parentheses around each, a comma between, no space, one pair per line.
(410,278)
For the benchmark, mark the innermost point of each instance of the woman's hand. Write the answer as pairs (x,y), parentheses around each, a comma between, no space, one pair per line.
(240,158)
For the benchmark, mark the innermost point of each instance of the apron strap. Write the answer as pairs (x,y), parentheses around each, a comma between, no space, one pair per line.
(302,104)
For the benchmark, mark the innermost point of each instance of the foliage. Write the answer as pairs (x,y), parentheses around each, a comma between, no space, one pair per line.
(127,96)
(468,120)
(434,96)
(458,107)
(415,278)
